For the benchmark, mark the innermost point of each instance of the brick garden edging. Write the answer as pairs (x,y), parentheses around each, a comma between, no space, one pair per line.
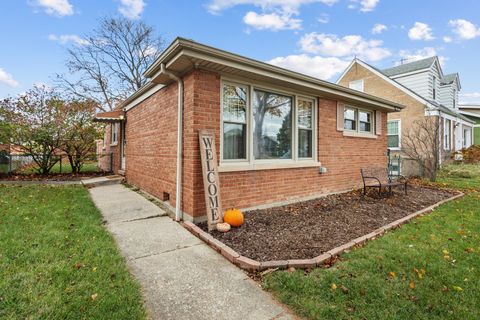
(253,265)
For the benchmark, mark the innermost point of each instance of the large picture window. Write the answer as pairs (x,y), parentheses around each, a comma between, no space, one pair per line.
(272,120)
(234,122)
(262,127)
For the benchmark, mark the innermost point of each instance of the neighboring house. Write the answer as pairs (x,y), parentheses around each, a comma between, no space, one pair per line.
(472,112)
(422,87)
(280,135)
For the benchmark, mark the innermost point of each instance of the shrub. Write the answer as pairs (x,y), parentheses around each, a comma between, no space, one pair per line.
(472,154)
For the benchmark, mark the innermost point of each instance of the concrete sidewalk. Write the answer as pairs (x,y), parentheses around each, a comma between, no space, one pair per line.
(182,278)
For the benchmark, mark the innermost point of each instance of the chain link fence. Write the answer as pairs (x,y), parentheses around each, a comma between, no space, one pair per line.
(24,163)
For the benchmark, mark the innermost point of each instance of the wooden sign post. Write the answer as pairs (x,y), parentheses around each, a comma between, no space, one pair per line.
(211,183)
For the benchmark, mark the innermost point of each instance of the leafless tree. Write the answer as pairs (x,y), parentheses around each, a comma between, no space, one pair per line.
(108,64)
(422,143)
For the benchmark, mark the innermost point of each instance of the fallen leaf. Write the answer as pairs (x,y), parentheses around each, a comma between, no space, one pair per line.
(334,286)
(94,269)
(411,285)
(392,274)
(344,289)
(469,250)
(94,296)
(457,288)
(445,251)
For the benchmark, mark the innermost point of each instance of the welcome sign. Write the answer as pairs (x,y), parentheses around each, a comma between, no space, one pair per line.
(211,184)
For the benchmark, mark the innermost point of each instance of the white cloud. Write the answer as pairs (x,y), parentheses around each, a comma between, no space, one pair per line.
(55,7)
(348,46)
(470,98)
(316,66)
(271,21)
(324,18)
(131,9)
(275,14)
(465,29)
(7,79)
(447,39)
(365,5)
(427,52)
(67,38)
(420,31)
(286,6)
(379,28)
(368,5)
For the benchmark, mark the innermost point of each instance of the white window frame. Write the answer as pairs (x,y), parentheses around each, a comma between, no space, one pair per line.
(447,146)
(114,134)
(357,121)
(399,134)
(360,82)
(247,123)
(250,163)
(434,87)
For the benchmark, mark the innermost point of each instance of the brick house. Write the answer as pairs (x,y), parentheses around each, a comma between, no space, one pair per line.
(425,92)
(280,135)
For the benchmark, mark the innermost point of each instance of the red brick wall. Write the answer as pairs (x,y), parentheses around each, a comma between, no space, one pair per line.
(151,152)
(151,148)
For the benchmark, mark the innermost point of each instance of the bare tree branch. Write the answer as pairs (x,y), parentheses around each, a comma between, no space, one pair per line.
(110,65)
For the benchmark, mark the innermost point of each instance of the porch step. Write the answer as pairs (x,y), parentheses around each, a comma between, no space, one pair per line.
(102,181)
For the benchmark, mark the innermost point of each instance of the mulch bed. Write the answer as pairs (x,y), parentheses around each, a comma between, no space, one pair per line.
(306,229)
(50,177)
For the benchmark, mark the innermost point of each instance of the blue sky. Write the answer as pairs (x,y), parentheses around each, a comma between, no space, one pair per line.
(318,37)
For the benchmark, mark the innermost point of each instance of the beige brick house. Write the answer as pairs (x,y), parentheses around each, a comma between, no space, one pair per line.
(279,135)
(425,91)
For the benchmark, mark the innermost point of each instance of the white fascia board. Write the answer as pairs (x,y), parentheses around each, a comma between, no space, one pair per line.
(470,114)
(345,71)
(142,97)
(355,95)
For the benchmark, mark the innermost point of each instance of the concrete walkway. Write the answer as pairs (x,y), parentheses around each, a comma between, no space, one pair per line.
(182,278)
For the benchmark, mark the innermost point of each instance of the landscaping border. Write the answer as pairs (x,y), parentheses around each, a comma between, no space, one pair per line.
(254,265)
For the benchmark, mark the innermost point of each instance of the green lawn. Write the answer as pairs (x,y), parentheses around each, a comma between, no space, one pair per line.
(428,269)
(66,168)
(57,261)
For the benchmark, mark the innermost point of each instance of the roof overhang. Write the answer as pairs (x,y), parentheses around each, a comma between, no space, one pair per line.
(110,116)
(184,55)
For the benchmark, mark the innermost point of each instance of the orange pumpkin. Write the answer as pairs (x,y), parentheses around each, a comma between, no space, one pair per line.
(233,217)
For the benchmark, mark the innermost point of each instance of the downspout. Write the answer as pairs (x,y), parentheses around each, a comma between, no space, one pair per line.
(440,137)
(178,192)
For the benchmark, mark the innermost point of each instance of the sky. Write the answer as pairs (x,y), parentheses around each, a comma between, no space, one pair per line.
(316,37)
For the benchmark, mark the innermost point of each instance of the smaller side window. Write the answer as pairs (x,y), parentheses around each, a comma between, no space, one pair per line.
(434,92)
(446,134)
(114,132)
(356,85)
(393,134)
(350,119)
(365,121)
(305,114)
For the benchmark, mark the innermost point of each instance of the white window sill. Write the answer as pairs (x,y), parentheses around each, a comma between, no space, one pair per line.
(359,135)
(395,149)
(113,144)
(231,167)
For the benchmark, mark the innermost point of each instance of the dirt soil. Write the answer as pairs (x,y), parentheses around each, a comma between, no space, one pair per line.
(307,229)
